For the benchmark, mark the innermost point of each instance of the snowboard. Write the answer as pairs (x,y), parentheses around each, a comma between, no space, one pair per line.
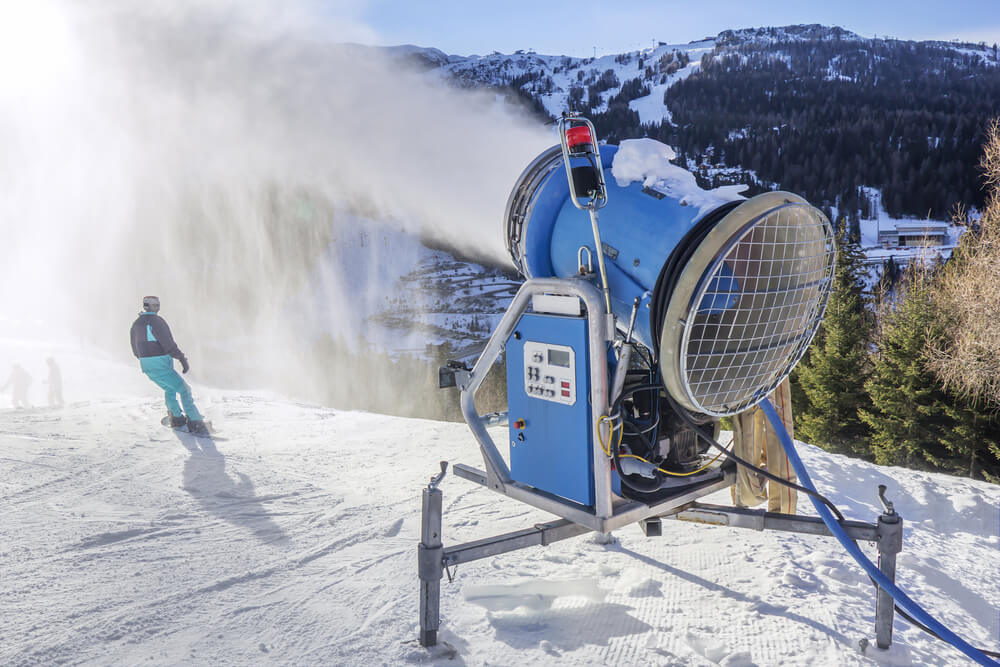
(184,429)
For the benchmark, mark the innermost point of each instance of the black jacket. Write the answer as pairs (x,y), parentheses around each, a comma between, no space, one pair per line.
(151,337)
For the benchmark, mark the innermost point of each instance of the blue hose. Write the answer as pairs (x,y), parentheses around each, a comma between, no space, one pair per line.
(901,598)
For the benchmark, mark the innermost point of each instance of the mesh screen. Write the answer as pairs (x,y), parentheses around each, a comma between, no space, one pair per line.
(753,317)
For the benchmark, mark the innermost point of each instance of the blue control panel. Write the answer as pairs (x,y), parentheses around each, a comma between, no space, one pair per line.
(548,398)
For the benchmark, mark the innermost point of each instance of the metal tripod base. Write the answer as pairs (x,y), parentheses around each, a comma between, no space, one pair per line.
(433,558)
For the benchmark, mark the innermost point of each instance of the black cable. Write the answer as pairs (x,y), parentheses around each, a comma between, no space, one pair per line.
(694,426)
(645,356)
(902,612)
(631,422)
(921,626)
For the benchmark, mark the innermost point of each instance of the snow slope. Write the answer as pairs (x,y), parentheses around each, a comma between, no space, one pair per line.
(557,75)
(294,541)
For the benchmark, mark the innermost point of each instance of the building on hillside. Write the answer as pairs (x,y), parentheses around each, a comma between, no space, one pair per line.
(908,233)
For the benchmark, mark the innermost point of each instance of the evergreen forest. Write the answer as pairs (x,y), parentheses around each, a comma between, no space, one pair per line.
(825,118)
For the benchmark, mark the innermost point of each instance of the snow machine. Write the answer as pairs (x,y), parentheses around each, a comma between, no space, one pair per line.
(674,308)
(629,340)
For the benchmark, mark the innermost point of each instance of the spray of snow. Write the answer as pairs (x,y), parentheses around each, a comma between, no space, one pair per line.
(648,161)
(210,152)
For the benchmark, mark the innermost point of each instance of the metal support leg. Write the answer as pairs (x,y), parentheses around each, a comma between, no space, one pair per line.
(890,543)
(430,563)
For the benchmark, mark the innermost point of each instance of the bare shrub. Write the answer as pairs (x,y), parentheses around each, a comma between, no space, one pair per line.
(965,356)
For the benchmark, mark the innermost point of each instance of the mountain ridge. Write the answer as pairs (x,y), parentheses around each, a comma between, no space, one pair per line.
(735,36)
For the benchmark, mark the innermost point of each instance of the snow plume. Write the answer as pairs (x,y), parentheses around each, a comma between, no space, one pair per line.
(201,150)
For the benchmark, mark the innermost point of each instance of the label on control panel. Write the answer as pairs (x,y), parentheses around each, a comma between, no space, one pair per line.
(550,372)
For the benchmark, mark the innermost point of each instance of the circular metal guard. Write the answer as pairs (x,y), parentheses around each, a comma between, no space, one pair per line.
(756,309)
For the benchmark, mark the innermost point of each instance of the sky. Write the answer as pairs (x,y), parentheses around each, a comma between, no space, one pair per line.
(466,27)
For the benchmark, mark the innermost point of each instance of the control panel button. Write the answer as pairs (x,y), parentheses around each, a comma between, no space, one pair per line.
(565,385)
(549,379)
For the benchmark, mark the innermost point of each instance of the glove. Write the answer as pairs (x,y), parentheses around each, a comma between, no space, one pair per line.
(185,366)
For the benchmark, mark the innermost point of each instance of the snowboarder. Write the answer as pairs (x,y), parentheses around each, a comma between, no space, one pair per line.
(55,384)
(18,382)
(154,345)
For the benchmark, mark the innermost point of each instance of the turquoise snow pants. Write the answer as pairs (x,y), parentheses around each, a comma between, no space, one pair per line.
(161,371)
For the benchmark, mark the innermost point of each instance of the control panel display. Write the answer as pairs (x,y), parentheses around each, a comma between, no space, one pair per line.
(559,358)
(550,372)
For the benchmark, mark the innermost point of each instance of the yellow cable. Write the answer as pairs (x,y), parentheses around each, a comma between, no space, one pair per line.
(668,472)
(600,440)
(621,433)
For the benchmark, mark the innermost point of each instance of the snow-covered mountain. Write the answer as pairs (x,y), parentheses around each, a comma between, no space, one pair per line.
(293,542)
(552,78)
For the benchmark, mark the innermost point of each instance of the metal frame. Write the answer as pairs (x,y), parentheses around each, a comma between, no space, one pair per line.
(610,511)
(434,559)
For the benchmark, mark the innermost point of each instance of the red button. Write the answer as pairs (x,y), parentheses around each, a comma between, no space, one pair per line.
(565,385)
(565,393)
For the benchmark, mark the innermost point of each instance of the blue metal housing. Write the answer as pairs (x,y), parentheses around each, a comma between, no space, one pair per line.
(552,450)
(639,229)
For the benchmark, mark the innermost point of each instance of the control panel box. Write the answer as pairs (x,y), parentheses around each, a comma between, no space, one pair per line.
(550,371)
(548,398)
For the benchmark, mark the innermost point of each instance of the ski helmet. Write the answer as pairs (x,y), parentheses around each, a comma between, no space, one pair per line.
(151,304)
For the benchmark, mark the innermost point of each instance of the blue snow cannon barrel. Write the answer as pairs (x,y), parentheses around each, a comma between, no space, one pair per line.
(731,290)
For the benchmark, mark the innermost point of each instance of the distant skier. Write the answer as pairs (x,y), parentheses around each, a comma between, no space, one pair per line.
(154,345)
(55,384)
(18,382)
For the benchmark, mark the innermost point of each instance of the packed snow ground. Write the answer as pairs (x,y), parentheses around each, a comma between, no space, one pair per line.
(293,542)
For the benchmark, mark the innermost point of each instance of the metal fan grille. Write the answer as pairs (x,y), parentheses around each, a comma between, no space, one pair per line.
(757,308)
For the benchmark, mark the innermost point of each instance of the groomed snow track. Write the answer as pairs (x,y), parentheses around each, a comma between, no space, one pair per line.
(295,542)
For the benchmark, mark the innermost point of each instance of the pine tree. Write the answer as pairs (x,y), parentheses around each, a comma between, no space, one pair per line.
(907,412)
(832,377)
(913,417)
(974,441)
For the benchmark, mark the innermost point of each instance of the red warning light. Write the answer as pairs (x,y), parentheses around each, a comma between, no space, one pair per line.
(579,140)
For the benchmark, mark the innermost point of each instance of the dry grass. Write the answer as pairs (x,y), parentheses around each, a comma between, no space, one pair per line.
(966,357)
